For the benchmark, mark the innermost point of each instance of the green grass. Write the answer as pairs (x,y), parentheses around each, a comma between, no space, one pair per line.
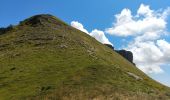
(51,60)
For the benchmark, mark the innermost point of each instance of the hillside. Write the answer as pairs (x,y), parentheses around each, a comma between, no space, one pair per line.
(43,58)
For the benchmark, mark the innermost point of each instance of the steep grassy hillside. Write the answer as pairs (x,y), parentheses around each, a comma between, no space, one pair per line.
(43,58)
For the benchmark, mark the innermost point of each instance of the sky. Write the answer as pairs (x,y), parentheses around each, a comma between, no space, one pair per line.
(141,26)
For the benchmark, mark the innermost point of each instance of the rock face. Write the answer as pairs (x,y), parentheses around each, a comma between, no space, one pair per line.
(36,20)
(4,30)
(43,20)
(126,54)
(110,46)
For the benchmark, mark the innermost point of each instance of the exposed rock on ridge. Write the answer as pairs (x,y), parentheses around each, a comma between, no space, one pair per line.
(43,20)
(126,54)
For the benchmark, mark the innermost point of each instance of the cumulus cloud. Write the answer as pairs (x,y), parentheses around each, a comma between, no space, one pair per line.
(150,56)
(78,26)
(145,10)
(165,48)
(146,56)
(97,34)
(147,27)
(100,36)
(145,21)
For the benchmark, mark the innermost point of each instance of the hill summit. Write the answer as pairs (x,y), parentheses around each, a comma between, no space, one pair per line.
(43,19)
(43,58)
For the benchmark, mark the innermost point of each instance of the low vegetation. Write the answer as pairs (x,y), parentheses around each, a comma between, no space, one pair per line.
(43,58)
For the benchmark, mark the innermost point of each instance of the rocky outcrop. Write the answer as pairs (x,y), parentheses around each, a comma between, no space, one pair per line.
(126,54)
(110,46)
(4,30)
(45,20)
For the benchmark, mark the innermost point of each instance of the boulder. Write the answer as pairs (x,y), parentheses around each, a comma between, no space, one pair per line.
(134,76)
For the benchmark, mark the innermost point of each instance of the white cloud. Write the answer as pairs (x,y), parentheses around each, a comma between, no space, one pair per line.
(165,48)
(97,34)
(146,56)
(150,56)
(78,26)
(147,27)
(145,10)
(100,36)
(145,21)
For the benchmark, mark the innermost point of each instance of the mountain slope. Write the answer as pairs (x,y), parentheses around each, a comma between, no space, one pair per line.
(44,58)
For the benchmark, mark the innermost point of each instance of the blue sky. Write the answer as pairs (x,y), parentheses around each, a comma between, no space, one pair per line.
(95,14)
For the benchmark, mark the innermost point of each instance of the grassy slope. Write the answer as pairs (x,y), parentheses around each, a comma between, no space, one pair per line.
(56,61)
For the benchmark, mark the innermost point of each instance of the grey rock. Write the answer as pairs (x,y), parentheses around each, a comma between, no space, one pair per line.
(126,54)
(134,76)
(63,46)
(110,46)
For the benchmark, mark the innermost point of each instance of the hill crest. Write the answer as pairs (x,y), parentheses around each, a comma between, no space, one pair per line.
(43,57)
(42,19)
